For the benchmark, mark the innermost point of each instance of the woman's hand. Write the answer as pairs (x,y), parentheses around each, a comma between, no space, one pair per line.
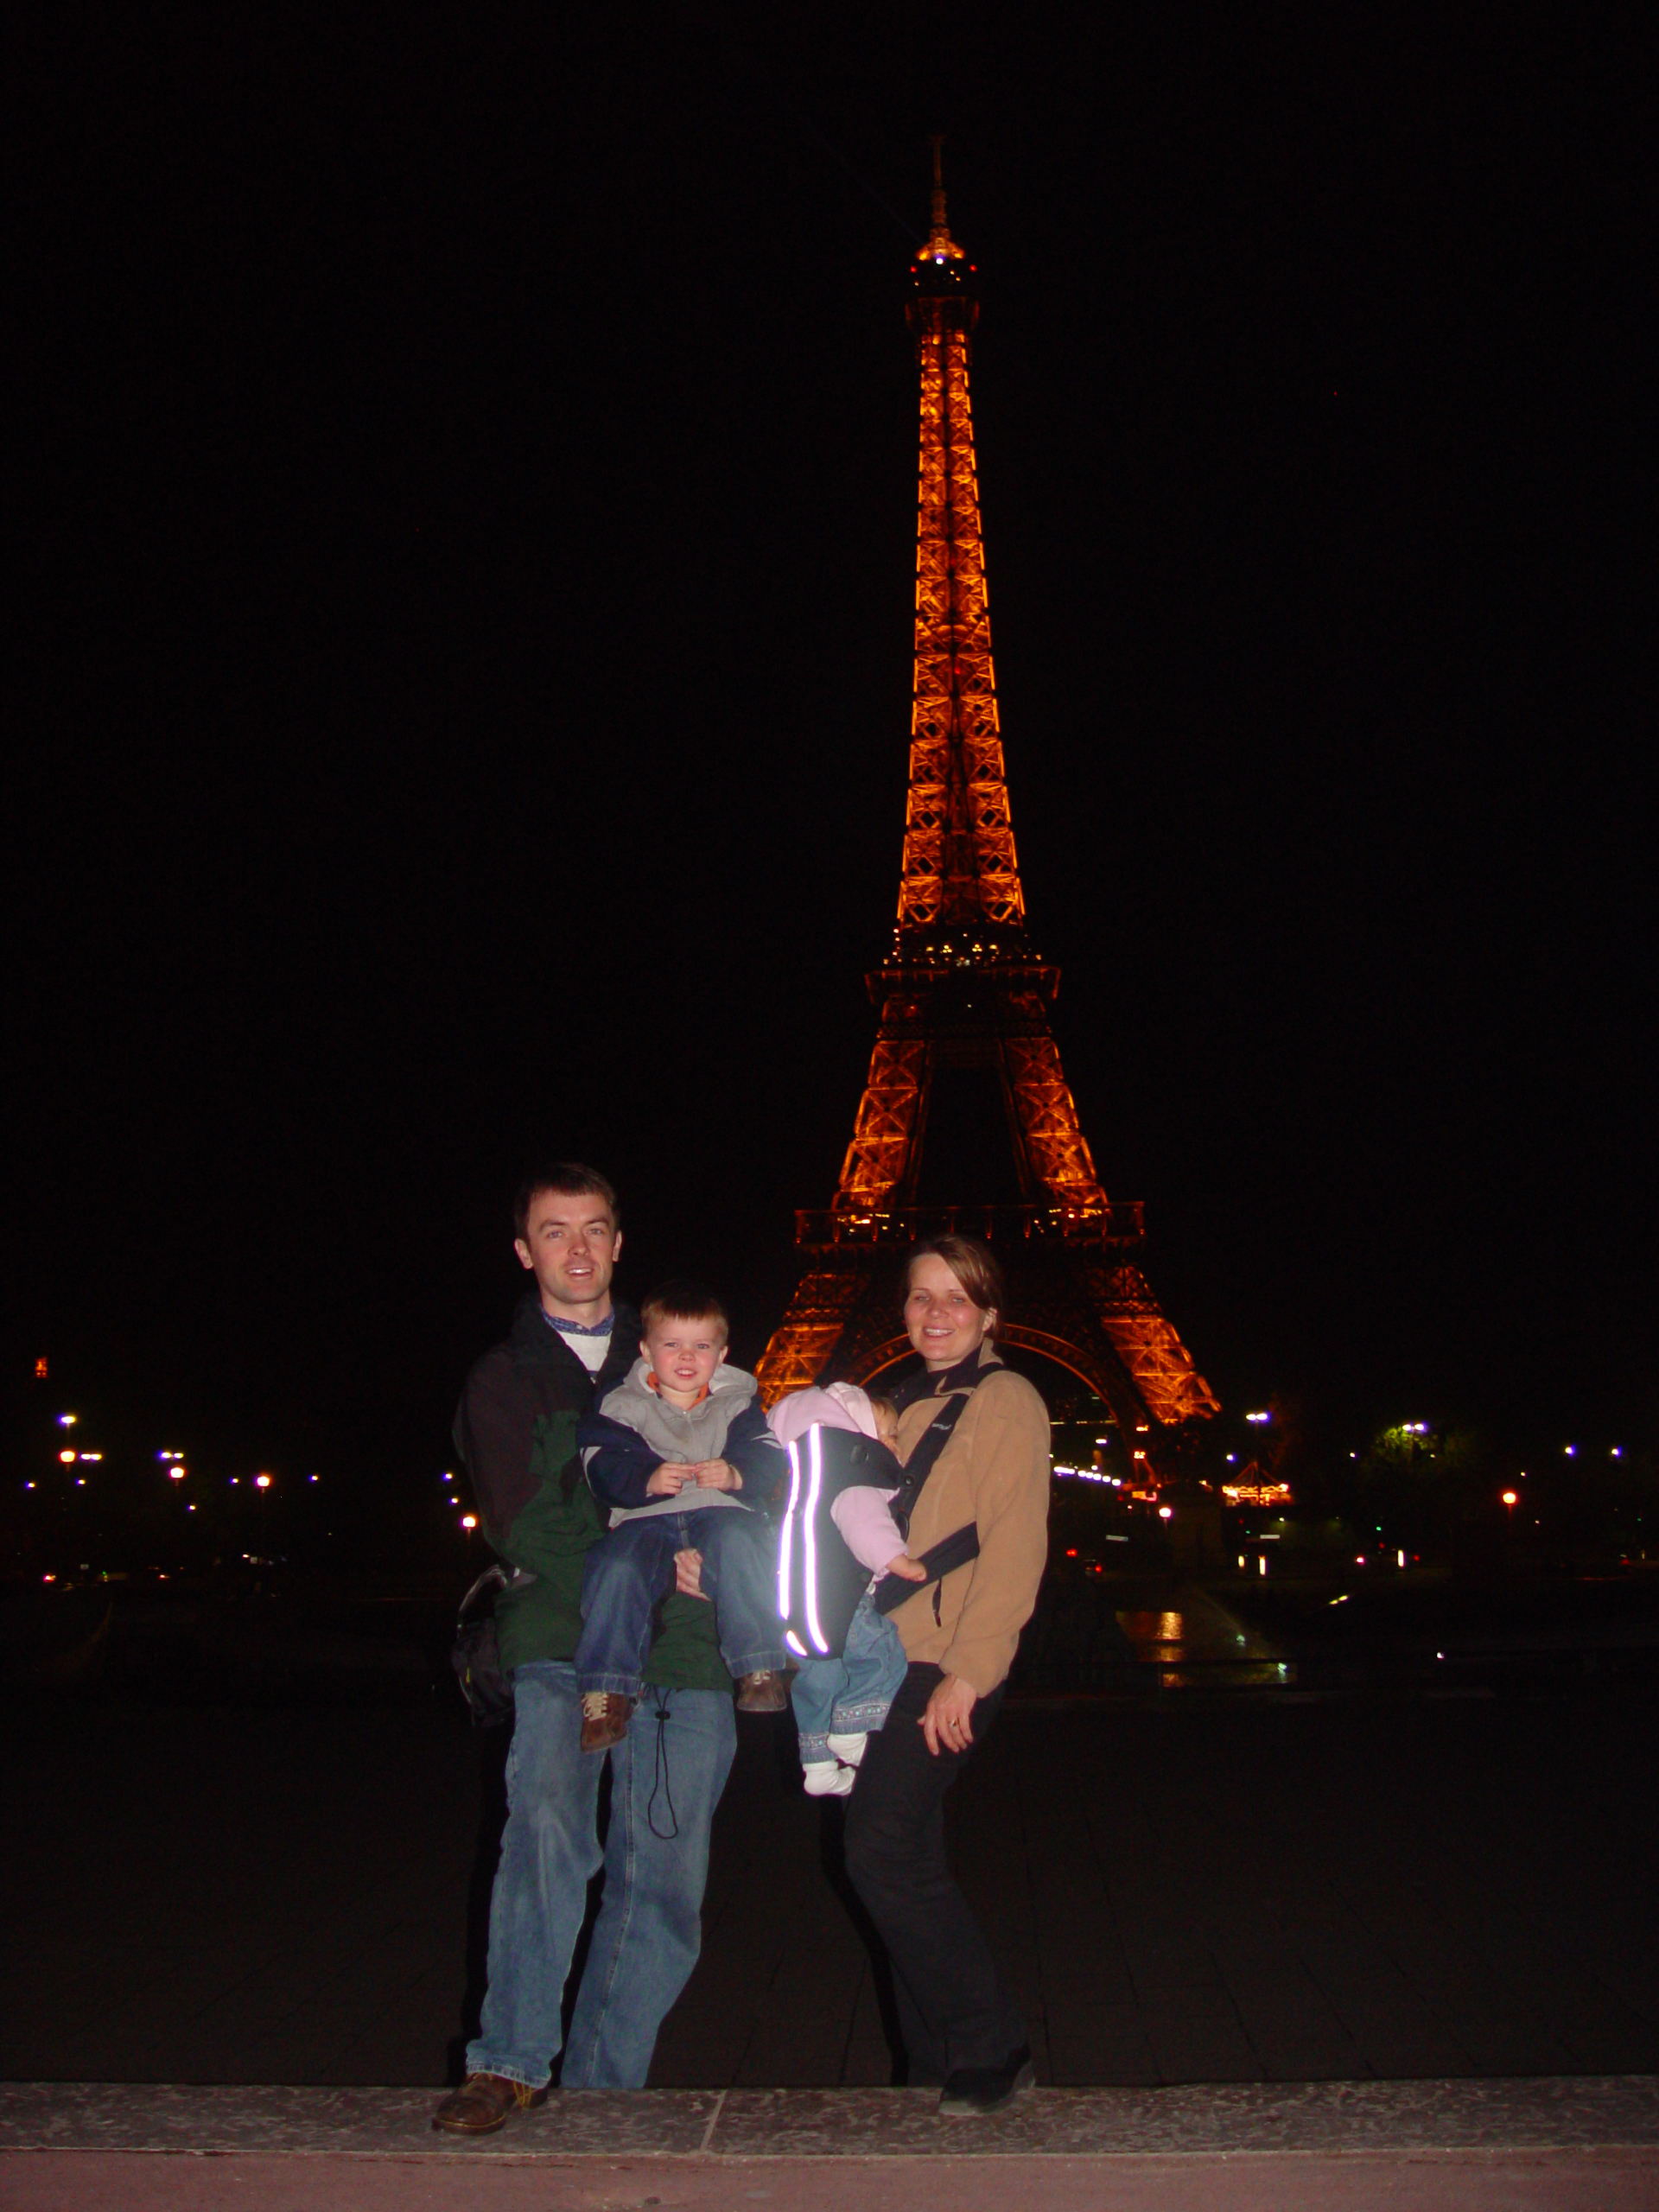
(945,1723)
(907,1569)
(688,1575)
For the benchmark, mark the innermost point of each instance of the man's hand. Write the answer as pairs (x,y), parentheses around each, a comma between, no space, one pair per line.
(714,1474)
(668,1482)
(907,1569)
(945,1723)
(688,1575)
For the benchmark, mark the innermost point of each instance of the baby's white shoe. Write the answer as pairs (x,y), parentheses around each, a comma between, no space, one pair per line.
(850,1749)
(827,1778)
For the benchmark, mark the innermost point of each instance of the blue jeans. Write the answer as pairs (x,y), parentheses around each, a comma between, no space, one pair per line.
(630,1570)
(666,1778)
(848,1696)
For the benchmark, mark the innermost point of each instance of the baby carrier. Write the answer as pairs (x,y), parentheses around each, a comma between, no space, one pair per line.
(819,1581)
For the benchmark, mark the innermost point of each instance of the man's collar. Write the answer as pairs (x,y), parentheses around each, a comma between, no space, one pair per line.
(580,1328)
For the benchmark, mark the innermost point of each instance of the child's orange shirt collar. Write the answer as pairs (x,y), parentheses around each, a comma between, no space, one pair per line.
(651,1383)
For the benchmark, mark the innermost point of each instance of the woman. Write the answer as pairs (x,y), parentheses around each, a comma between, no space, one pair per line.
(989,1479)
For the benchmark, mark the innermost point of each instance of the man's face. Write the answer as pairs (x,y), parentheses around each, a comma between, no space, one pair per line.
(570,1245)
(683,1355)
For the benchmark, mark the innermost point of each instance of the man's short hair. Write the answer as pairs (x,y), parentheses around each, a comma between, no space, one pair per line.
(570,1179)
(683,1301)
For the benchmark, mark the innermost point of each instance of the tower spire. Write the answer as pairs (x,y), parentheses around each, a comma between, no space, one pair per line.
(959,869)
(939,239)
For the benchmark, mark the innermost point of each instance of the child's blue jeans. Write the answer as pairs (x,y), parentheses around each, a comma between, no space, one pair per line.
(628,1571)
(848,1696)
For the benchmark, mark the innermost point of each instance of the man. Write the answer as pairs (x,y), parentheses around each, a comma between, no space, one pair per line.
(515,1430)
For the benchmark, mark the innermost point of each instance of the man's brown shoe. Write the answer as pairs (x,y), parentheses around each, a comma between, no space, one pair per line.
(482,2104)
(605,1717)
(761,1693)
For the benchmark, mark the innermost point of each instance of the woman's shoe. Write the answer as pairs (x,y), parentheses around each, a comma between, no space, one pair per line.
(971,2091)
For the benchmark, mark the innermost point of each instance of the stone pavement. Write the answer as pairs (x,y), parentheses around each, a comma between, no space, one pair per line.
(1589,2145)
(1286,1891)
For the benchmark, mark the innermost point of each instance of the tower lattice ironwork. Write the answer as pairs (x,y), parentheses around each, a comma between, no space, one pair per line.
(963,988)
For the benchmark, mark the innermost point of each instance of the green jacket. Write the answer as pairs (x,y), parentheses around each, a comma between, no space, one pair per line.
(516,1433)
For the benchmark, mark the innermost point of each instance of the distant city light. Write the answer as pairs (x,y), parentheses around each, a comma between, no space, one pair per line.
(66,1457)
(1140,1455)
(92,1455)
(80,1482)
(262,1482)
(67,1421)
(1511,1497)
(1166,1513)
(1258,1417)
(1571,1450)
(28,1485)
(40,1368)
(1401,1557)
(1617,1452)
(469,1521)
(176,1474)
(1414,1427)
(314,1479)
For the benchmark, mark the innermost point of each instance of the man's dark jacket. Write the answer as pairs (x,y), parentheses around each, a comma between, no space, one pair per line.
(516,1433)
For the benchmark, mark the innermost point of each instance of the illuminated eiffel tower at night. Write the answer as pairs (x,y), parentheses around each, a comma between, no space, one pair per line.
(964,1010)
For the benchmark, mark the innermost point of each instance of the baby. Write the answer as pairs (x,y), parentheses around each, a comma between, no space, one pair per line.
(839,1702)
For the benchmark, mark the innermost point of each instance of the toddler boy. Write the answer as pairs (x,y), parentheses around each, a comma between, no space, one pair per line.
(668,1450)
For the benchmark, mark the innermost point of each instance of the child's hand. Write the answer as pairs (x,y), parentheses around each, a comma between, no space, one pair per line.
(907,1569)
(688,1575)
(714,1474)
(668,1482)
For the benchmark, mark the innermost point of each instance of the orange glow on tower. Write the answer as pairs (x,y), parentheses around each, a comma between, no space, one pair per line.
(963,988)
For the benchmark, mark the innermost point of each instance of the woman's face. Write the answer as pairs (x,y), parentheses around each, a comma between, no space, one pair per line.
(945,1323)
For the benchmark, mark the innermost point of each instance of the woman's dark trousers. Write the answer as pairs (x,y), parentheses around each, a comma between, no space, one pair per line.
(953,2010)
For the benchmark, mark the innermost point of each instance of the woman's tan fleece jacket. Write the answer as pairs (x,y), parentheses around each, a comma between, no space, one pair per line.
(994,1472)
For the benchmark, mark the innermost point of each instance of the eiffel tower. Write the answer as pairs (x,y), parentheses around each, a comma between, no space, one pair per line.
(964,1005)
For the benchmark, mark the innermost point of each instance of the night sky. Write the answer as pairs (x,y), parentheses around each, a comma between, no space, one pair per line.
(462,543)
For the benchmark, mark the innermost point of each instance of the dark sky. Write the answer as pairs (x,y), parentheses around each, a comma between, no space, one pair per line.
(462,543)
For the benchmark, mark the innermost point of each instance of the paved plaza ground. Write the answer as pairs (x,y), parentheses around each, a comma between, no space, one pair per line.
(1182,1888)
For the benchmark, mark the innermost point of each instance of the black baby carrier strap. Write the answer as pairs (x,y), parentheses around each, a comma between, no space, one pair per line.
(952,1551)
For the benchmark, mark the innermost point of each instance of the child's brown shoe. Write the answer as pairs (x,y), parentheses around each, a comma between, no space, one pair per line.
(605,1715)
(762,1692)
